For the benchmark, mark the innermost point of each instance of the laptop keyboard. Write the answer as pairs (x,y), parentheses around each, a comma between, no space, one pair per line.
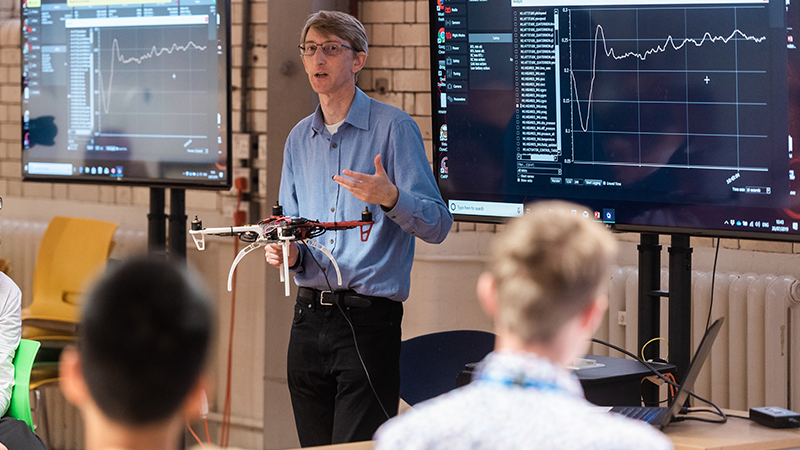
(645,414)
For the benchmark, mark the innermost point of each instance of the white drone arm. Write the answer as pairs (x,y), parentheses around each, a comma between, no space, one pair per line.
(199,236)
(285,266)
(327,253)
(242,254)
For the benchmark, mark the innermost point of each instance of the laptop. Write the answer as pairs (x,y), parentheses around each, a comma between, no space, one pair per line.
(659,416)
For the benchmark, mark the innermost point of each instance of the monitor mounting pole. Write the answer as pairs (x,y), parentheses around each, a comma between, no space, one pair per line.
(157,224)
(680,302)
(177,225)
(649,304)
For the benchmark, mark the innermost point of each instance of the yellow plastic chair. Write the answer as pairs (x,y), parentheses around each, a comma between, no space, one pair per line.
(72,251)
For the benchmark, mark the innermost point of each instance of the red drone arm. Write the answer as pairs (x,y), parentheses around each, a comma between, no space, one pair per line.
(366,227)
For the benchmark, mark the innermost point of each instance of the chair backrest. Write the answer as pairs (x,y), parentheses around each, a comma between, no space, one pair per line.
(71,252)
(429,364)
(20,406)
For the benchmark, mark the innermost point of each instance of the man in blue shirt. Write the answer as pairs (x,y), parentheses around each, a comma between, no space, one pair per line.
(352,153)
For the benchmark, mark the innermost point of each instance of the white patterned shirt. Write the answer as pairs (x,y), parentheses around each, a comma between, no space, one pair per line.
(517,401)
(10,333)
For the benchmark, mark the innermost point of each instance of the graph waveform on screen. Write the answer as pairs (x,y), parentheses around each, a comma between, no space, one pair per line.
(599,35)
(117,56)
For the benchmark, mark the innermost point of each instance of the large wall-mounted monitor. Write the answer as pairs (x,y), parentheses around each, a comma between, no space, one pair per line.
(126,93)
(675,117)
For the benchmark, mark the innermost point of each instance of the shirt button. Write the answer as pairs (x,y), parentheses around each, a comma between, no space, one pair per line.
(335,145)
(333,209)
(331,241)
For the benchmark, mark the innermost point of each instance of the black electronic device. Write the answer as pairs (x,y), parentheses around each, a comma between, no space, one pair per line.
(126,93)
(775,417)
(657,116)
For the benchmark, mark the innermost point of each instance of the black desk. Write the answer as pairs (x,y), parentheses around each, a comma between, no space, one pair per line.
(618,383)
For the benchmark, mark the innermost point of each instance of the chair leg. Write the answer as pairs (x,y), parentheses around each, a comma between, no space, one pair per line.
(40,417)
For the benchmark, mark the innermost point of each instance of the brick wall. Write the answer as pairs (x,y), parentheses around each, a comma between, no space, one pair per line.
(396,73)
(399,59)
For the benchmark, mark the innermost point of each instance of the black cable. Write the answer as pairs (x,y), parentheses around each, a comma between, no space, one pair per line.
(353,330)
(713,279)
(719,412)
(703,419)
(711,411)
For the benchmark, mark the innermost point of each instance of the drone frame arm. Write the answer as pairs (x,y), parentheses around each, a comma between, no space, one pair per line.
(242,253)
(324,250)
(199,236)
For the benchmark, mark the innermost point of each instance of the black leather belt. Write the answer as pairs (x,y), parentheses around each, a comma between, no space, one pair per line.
(330,298)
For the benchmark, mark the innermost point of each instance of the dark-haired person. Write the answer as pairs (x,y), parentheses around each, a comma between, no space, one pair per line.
(137,372)
(352,152)
(545,292)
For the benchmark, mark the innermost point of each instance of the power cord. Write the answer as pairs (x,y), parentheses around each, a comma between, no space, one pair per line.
(352,329)
(718,412)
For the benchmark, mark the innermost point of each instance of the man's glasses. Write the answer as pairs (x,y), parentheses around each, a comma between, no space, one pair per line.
(330,48)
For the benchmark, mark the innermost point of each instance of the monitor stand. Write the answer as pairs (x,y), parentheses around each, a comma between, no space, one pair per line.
(680,304)
(157,221)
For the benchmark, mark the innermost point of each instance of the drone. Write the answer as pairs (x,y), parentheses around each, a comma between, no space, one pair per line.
(281,229)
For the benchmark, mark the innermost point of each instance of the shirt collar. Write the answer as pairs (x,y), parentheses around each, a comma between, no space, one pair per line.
(528,366)
(358,116)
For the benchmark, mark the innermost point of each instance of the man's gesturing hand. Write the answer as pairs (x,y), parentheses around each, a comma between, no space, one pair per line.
(370,188)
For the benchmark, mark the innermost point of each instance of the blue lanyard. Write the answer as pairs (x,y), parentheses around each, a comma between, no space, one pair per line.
(523,383)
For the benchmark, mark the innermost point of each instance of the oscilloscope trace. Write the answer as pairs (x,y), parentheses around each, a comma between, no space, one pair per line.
(687,90)
(153,53)
(609,52)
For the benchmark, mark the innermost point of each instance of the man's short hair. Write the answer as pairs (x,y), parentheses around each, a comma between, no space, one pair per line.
(549,265)
(335,23)
(145,332)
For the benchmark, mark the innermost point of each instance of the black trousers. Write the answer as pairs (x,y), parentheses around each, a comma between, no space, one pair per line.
(16,435)
(332,399)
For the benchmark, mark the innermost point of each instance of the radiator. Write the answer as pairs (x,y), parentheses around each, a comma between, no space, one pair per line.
(20,245)
(751,361)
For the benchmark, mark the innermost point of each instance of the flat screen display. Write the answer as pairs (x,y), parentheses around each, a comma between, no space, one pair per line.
(678,117)
(126,93)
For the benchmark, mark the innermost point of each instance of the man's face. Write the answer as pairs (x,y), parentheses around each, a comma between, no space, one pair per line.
(330,75)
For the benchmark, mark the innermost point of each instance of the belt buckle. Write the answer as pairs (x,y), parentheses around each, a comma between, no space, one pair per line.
(322,297)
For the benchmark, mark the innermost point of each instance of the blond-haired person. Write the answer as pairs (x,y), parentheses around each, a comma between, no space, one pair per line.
(545,293)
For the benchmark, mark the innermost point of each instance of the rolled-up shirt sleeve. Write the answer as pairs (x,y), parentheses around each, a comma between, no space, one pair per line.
(420,210)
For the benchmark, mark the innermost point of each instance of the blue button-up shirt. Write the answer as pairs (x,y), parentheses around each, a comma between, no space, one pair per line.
(312,156)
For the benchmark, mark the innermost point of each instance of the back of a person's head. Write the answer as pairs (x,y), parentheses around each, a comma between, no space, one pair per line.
(549,265)
(145,333)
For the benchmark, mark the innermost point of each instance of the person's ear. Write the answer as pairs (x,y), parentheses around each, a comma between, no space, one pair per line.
(196,403)
(593,314)
(70,377)
(359,61)
(487,294)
